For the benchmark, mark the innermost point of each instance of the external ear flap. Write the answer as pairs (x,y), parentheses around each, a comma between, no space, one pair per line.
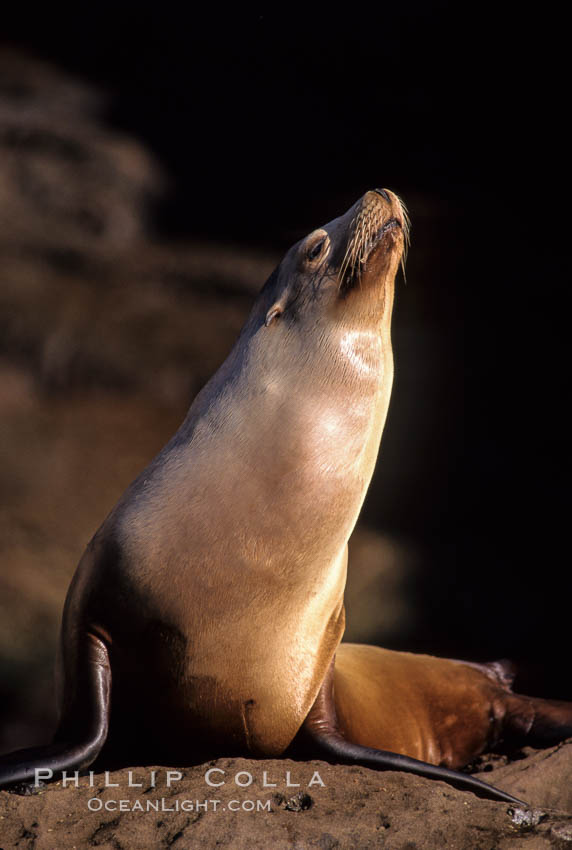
(272,314)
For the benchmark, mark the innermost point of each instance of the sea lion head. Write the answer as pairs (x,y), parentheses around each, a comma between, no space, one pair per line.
(345,267)
(333,291)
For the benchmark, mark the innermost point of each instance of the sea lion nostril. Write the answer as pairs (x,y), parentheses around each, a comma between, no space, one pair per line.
(383,193)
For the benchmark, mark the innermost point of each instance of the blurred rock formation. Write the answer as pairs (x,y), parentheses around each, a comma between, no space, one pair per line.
(87,297)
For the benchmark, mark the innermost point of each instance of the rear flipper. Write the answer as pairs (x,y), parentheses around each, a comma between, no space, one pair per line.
(321,737)
(85,723)
(535,722)
(525,721)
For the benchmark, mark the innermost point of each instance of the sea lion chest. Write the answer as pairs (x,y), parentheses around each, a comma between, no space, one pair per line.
(235,540)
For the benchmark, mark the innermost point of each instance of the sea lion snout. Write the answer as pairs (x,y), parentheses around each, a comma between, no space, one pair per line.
(391,205)
(377,213)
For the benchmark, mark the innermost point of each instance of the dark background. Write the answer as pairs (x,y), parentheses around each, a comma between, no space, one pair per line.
(269,124)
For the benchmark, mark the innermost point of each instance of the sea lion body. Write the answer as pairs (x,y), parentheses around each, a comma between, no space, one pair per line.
(205,615)
(433,709)
(230,549)
(439,710)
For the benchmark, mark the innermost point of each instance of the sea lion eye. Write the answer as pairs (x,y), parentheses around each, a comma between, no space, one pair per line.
(316,249)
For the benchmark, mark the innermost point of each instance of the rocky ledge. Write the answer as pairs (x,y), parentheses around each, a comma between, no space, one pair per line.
(238,803)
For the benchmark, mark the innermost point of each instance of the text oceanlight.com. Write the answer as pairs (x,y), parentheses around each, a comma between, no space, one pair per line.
(96,804)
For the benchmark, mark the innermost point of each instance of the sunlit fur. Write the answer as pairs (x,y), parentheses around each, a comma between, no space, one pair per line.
(218,579)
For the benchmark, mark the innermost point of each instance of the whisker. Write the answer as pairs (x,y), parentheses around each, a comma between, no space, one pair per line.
(364,230)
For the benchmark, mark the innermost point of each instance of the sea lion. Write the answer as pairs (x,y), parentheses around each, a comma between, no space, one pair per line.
(205,614)
(442,711)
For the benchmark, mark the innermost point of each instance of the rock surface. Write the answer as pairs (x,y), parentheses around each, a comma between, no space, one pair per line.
(354,809)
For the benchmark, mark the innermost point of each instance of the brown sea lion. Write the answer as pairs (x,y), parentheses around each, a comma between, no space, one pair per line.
(205,614)
(439,710)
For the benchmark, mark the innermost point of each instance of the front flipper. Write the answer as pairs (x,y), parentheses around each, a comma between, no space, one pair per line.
(321,738)
(87,723)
